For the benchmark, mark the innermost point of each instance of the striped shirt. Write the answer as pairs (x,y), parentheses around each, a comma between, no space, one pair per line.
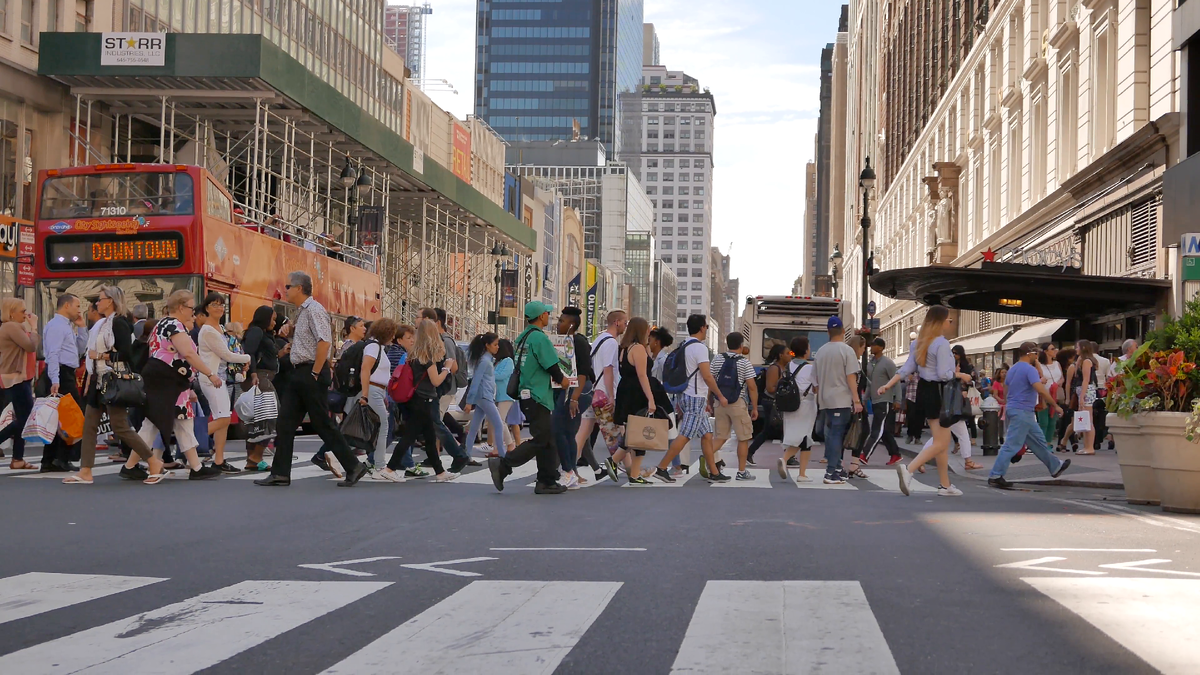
(745,371)
(312,328)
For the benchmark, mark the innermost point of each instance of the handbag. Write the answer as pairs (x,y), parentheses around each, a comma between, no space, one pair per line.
(648,433)
(42,425)
(70,419)
(514,382)
(857,433)
(361,427)
(121,387)
(953,403)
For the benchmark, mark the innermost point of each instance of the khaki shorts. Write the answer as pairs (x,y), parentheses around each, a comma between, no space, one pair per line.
(736,416)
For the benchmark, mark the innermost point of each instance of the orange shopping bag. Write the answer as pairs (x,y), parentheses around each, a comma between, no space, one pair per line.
(70,419)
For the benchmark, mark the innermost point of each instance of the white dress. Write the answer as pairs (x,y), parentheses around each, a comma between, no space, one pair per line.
(798,424)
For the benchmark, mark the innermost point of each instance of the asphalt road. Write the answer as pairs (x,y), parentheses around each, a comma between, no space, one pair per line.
(226,577)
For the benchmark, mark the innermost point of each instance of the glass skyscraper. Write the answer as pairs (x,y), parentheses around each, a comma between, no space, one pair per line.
(544,66)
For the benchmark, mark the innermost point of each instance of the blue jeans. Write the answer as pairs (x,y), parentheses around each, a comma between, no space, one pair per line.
(449,443)
(21,397)
(565,427)
(837,421)
(486,409)
(1023,430)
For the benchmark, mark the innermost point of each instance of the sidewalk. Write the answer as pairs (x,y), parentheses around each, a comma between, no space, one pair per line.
(1089,471)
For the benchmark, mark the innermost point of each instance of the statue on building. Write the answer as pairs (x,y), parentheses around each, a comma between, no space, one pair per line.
(931,219)
(945,217)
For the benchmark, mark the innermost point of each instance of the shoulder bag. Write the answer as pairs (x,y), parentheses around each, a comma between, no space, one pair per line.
(514,382)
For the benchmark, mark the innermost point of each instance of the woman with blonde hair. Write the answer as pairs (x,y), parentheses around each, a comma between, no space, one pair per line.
(374,374)
(427,361)
(931,358)
(637,392)
(216,354)
(18,365)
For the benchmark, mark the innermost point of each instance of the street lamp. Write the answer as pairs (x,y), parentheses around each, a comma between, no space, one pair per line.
(500,251)
(866,181)
(834,259)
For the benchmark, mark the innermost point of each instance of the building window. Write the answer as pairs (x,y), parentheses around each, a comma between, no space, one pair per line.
(685,147)
(51,15)
(668,203)
(697,246)
(699,192)
(669,133)
(655,79)
(651,189)
(698,163)
(697,285)
(697,217)
(699,177)
(668,147)
(653,175)
(669,120)
(700,134)
(28,21)
(652,133)
(683,163)
(668,164)
(665,245)
(683,189)
(697,259)
(652,147)
(697,300)
(682,300)
(683,217)
(666,258)
(668,231)
(681,327)
(668,218)
(652,164)
(697,231)
(683,176)
(652,120)
(685,133)
(668,190)
(667,176)
(699,121)
(685,120)
(698,271)
(681,314)
(654,203)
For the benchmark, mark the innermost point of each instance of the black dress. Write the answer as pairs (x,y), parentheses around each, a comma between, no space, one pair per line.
(631,400)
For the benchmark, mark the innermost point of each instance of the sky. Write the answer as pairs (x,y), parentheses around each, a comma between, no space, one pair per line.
(761,60)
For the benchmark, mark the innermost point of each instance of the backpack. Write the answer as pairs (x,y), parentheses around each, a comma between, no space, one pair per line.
(139,355)
(728,381)
(347,379)
(788,396)
(460,378)
(402,386)
(676,378)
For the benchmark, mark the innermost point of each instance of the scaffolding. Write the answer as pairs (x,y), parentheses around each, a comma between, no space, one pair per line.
(297,178)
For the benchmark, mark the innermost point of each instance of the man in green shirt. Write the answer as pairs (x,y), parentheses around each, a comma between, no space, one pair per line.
(537,363)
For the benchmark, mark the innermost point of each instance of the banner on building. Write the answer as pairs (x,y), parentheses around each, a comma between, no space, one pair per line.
(508,293)
(573,290)
(461,162)
(370,225)
(133,49)
(591,283)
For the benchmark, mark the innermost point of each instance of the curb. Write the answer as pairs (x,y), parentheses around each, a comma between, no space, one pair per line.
(1061,482)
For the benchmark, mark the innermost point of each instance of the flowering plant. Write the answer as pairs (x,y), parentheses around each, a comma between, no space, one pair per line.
(1153,381)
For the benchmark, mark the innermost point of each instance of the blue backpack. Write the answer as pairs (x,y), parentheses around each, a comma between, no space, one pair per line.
(675,375)
(728,382)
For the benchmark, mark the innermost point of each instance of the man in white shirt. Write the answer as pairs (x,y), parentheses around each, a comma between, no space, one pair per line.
(1099,409)
(694,421)
(604,365)
(835,373)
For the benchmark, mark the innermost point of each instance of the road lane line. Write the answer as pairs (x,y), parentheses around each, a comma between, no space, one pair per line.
(889,480)
(210,628)
(1153,618)
(803,627)
(1147,518)
(566,548)
(494,627)
(1083,550)
(36,592)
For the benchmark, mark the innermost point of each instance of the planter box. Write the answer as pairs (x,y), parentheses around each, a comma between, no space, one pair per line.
(1176,461)
(1134,453)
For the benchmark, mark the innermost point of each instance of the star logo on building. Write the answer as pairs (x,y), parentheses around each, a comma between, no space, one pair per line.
(131,43)
(989,255)
(221,249)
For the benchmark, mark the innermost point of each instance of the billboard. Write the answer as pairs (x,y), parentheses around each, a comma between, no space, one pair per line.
(508,293)
(461,159)
(591,313)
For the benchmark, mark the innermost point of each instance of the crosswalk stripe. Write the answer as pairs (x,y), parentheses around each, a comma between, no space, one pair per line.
(489,627)
(298,473)
(817,483)
(888,479)
(815,627)
(29,594)
(212,627)
(762,479)
(1153,618)
(680,481)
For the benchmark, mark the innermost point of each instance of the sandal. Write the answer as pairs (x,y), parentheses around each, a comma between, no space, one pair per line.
(921,469)
(155,478)
(973,466)
(1082,452)
(21,465)
(76,479)
(171,466)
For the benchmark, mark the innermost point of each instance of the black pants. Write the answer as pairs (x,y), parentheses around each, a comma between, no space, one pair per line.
(539,445)
(1099,421)
(915,423)
(303,394)
(764,429)
(58,450)
(883,420)
(420,424)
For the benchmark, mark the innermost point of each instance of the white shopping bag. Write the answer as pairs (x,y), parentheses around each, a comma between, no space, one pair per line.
(244,406)
(1082,421)
(7,417)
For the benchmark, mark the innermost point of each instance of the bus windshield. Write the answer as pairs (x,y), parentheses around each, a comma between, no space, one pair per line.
(783,336)
(104,195)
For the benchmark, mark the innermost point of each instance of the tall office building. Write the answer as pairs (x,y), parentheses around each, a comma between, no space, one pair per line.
(677,170)
(650,45)
(560,71)
(404,33)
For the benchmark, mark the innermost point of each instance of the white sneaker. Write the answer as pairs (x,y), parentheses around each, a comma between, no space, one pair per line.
(804,479)
(781,467)
(388,475)
(445,477)
(905,478)
(571,482)
(949,491)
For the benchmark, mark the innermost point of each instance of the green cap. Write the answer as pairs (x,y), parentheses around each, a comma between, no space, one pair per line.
(535,309)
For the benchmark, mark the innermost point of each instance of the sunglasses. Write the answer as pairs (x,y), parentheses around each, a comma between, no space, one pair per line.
(287,287)
(191,307)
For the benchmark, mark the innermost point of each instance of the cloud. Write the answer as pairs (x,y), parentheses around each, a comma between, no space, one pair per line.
(761,60)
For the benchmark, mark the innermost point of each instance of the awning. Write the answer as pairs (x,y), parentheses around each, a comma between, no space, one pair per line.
(983,343)
(1019,289)
(1038,332)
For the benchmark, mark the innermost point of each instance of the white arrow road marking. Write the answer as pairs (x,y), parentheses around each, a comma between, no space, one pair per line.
(434,566)
(1147,518)
(335,567)
(36,592)
(566,548)
(1083,550)
(1138,565)
(494,627)
(1153,618)
(1033,565)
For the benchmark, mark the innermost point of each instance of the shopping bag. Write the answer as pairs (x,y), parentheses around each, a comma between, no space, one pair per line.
(266,405)
(244,405)
(647,433)
(953,403)
(70,419)
(360,427)
(42,425)
(975,400)
(857,433)
(7,417)
(1082,421)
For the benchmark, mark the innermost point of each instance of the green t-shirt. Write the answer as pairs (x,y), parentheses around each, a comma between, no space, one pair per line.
(535,373)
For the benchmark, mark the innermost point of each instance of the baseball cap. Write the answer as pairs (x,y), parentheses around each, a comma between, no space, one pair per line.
(1027,348)
(535,309)
(834,322)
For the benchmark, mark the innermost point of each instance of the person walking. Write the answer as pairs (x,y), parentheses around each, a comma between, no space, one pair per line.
(112,349)
(604,352)
(930,357)
(1066,362)
(260,345)
(1024,389)
(167,377)
(481,392)
(510,412)
(216,355)
(880,371)
(575,360)
(429,364)
(64,342)
(916,425)
(537,368)
(1100,408)
(735,377)
(637,391)
(798,424)
(1084,387)
(836,371)
(307,388)
(375,373)
(694,421)
(446,436)
(1052,377)
(18,363)
(766,397)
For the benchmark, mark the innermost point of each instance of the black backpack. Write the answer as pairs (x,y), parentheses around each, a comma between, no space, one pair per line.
(347,375)
(787,392)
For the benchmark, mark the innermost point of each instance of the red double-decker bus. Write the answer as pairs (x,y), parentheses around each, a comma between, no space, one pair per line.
(154,228)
